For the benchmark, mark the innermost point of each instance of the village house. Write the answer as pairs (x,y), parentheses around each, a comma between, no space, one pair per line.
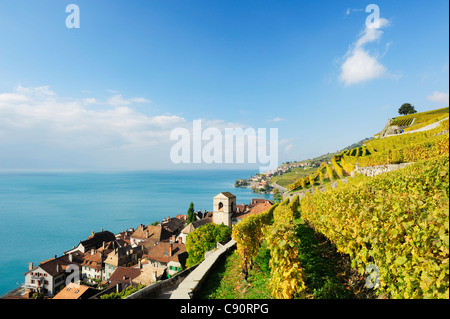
(92,267)
(137,275)
(50,275)
(150,233)
(122,256)
(124,277)
(170,255)
(94,241)
(149,274)
(173,225)
(191,227)
(125,235)
(162,232)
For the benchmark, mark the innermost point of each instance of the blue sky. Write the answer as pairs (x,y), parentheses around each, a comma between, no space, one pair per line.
(108,94)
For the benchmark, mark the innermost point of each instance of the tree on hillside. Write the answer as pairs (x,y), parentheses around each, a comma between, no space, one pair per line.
(406,109)
(191,214)
(203,239)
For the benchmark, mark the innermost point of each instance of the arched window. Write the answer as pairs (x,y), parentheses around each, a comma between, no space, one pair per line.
(220,207)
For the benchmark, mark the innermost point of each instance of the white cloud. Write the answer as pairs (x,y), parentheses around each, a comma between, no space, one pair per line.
(91,100)
(119,100)
(288,147)
(37,91)
(139,100)
(439,97)
(37,125)
(35,117)
(277,119)
(360,65)
(350,10)
(13,98)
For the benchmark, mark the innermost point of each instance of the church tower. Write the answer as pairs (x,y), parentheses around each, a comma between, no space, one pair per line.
(224,205)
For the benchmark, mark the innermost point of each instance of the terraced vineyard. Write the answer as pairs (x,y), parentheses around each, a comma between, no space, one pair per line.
(421,119)
(393,228)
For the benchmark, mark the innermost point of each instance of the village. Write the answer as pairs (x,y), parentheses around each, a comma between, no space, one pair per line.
(106,263)
(263,183)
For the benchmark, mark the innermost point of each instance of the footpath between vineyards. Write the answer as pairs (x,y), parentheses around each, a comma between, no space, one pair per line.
(328,274)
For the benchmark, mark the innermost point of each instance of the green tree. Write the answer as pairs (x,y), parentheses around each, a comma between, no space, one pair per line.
(204,239)
(406,109)
(191,214)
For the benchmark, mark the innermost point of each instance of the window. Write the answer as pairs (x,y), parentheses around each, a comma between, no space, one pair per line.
(76,291)
(69,288)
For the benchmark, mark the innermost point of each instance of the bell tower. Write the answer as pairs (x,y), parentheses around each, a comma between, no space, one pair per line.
(224,205)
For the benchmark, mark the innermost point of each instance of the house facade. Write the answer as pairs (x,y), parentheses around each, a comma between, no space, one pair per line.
(126,256)
(51,275)
(170,255)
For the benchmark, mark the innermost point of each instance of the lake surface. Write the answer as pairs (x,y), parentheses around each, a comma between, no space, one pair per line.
(43,214)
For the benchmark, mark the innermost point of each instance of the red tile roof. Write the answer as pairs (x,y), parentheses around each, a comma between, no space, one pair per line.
(255,209)
(164,252)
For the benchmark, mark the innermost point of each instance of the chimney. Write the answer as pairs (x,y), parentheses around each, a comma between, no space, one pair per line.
(93,233)
(58,268)
(102,229)
(118,288)
(70,257)
(180,240)
(139,264)
(172,239)
(170,250)
(30,266)
(92,251)
(55,256)
(146,234)
(103,245)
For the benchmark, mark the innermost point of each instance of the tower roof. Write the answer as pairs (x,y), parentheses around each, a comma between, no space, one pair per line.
(226,194)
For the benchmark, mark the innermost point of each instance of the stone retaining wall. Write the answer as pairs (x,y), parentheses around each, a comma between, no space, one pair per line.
(156,289)
(192,284)
(379,169)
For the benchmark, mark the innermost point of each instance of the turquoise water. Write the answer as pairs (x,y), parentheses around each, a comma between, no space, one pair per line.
(43,214)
